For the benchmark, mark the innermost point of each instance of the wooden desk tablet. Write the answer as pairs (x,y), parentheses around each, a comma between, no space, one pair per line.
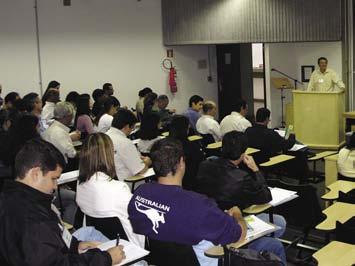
(276,160)
(339,211)
(340,185)
(322,155)
(194,138)
(215,145)
(336,253)
(256,209)
(250,151)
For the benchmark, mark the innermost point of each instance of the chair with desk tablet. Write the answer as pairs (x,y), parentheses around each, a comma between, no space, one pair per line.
(345,232)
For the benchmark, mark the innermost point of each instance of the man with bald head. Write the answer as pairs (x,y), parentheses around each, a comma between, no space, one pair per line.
(206,124)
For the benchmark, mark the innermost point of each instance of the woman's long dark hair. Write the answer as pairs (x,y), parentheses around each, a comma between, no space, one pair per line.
(52,84)
(82,106)
(109,102)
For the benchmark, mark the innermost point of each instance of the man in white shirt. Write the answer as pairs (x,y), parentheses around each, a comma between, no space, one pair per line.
(47,115)
(236,120)
(58,132)
(128,161)
(325,79)
(206,124)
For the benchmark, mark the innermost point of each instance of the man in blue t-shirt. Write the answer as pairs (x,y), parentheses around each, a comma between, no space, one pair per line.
(164,211)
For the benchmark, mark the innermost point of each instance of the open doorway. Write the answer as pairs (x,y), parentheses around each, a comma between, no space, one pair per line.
(240,69)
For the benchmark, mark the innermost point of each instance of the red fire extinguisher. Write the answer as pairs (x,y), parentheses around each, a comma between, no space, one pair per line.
(172,75)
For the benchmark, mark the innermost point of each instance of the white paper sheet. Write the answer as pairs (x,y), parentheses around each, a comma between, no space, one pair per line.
(280,196)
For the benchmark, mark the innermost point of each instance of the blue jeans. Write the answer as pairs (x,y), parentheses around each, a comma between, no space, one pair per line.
(265,243)
(269,243)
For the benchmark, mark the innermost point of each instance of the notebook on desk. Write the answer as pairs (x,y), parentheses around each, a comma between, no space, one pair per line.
(280,196)
(258,228)
(132,252)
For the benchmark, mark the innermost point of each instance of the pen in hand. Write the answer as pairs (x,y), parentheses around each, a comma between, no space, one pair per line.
(118,240)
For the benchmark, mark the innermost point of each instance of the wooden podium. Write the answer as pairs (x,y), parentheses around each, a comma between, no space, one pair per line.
(318,119)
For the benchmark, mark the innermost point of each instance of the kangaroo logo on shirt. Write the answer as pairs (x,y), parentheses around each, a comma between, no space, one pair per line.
(154,215)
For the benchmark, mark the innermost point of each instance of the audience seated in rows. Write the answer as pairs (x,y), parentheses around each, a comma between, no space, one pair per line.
(207,124)
(193,112)
(31,232)
(128,161)
(99,193)
(179,129)
(149,132)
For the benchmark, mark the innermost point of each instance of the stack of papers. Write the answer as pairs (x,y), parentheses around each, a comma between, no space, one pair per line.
(258,228)
(297,147)
(280,196)
(132,252)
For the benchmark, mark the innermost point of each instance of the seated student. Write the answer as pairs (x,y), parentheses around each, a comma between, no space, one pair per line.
(30,231)
(140,103)
(193,112)
(206,124)
(267,140)
(104,119)
(33,104)
(148,132)
(99,97)
(150,103)
(99,194)
(83,121)
(164,113)
(346,160)
(58,132)
(47,115)
(108,89)
(128,161)
(72,97)
(164,211)
(10,99)
(224,180)
(52,85)
(179,129)
(236,120)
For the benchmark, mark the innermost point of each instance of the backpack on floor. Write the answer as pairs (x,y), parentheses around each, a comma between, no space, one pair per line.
(248,257)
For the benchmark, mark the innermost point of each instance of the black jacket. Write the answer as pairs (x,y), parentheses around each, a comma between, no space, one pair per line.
(268,141)
(30,234)
(231,186)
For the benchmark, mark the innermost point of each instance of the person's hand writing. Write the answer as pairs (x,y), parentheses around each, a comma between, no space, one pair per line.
(117,254)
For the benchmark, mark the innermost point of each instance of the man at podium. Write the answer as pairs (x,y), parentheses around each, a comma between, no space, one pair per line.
(325,79)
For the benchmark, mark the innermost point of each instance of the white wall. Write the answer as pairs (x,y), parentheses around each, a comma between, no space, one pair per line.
(95,41)
(288,58)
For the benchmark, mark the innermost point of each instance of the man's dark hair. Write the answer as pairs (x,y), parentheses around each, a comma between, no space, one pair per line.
(163,97)
(38,153)
(166,154)
(239,105)
(207,106)
(52,85)
(30,100)
(322,58)
(195,99)
(179,127)
(11,97)
(262,114)
(122,118)
(144,92)
(233,145)
(106,86)
(96,94)
(19,105)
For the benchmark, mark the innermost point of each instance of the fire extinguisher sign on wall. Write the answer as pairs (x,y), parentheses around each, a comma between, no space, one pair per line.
(168,64)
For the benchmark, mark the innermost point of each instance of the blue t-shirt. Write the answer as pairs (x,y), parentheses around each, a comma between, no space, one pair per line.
(169,213)
(193,116)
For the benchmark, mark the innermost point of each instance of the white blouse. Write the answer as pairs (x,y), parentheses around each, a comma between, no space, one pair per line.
(102,197)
